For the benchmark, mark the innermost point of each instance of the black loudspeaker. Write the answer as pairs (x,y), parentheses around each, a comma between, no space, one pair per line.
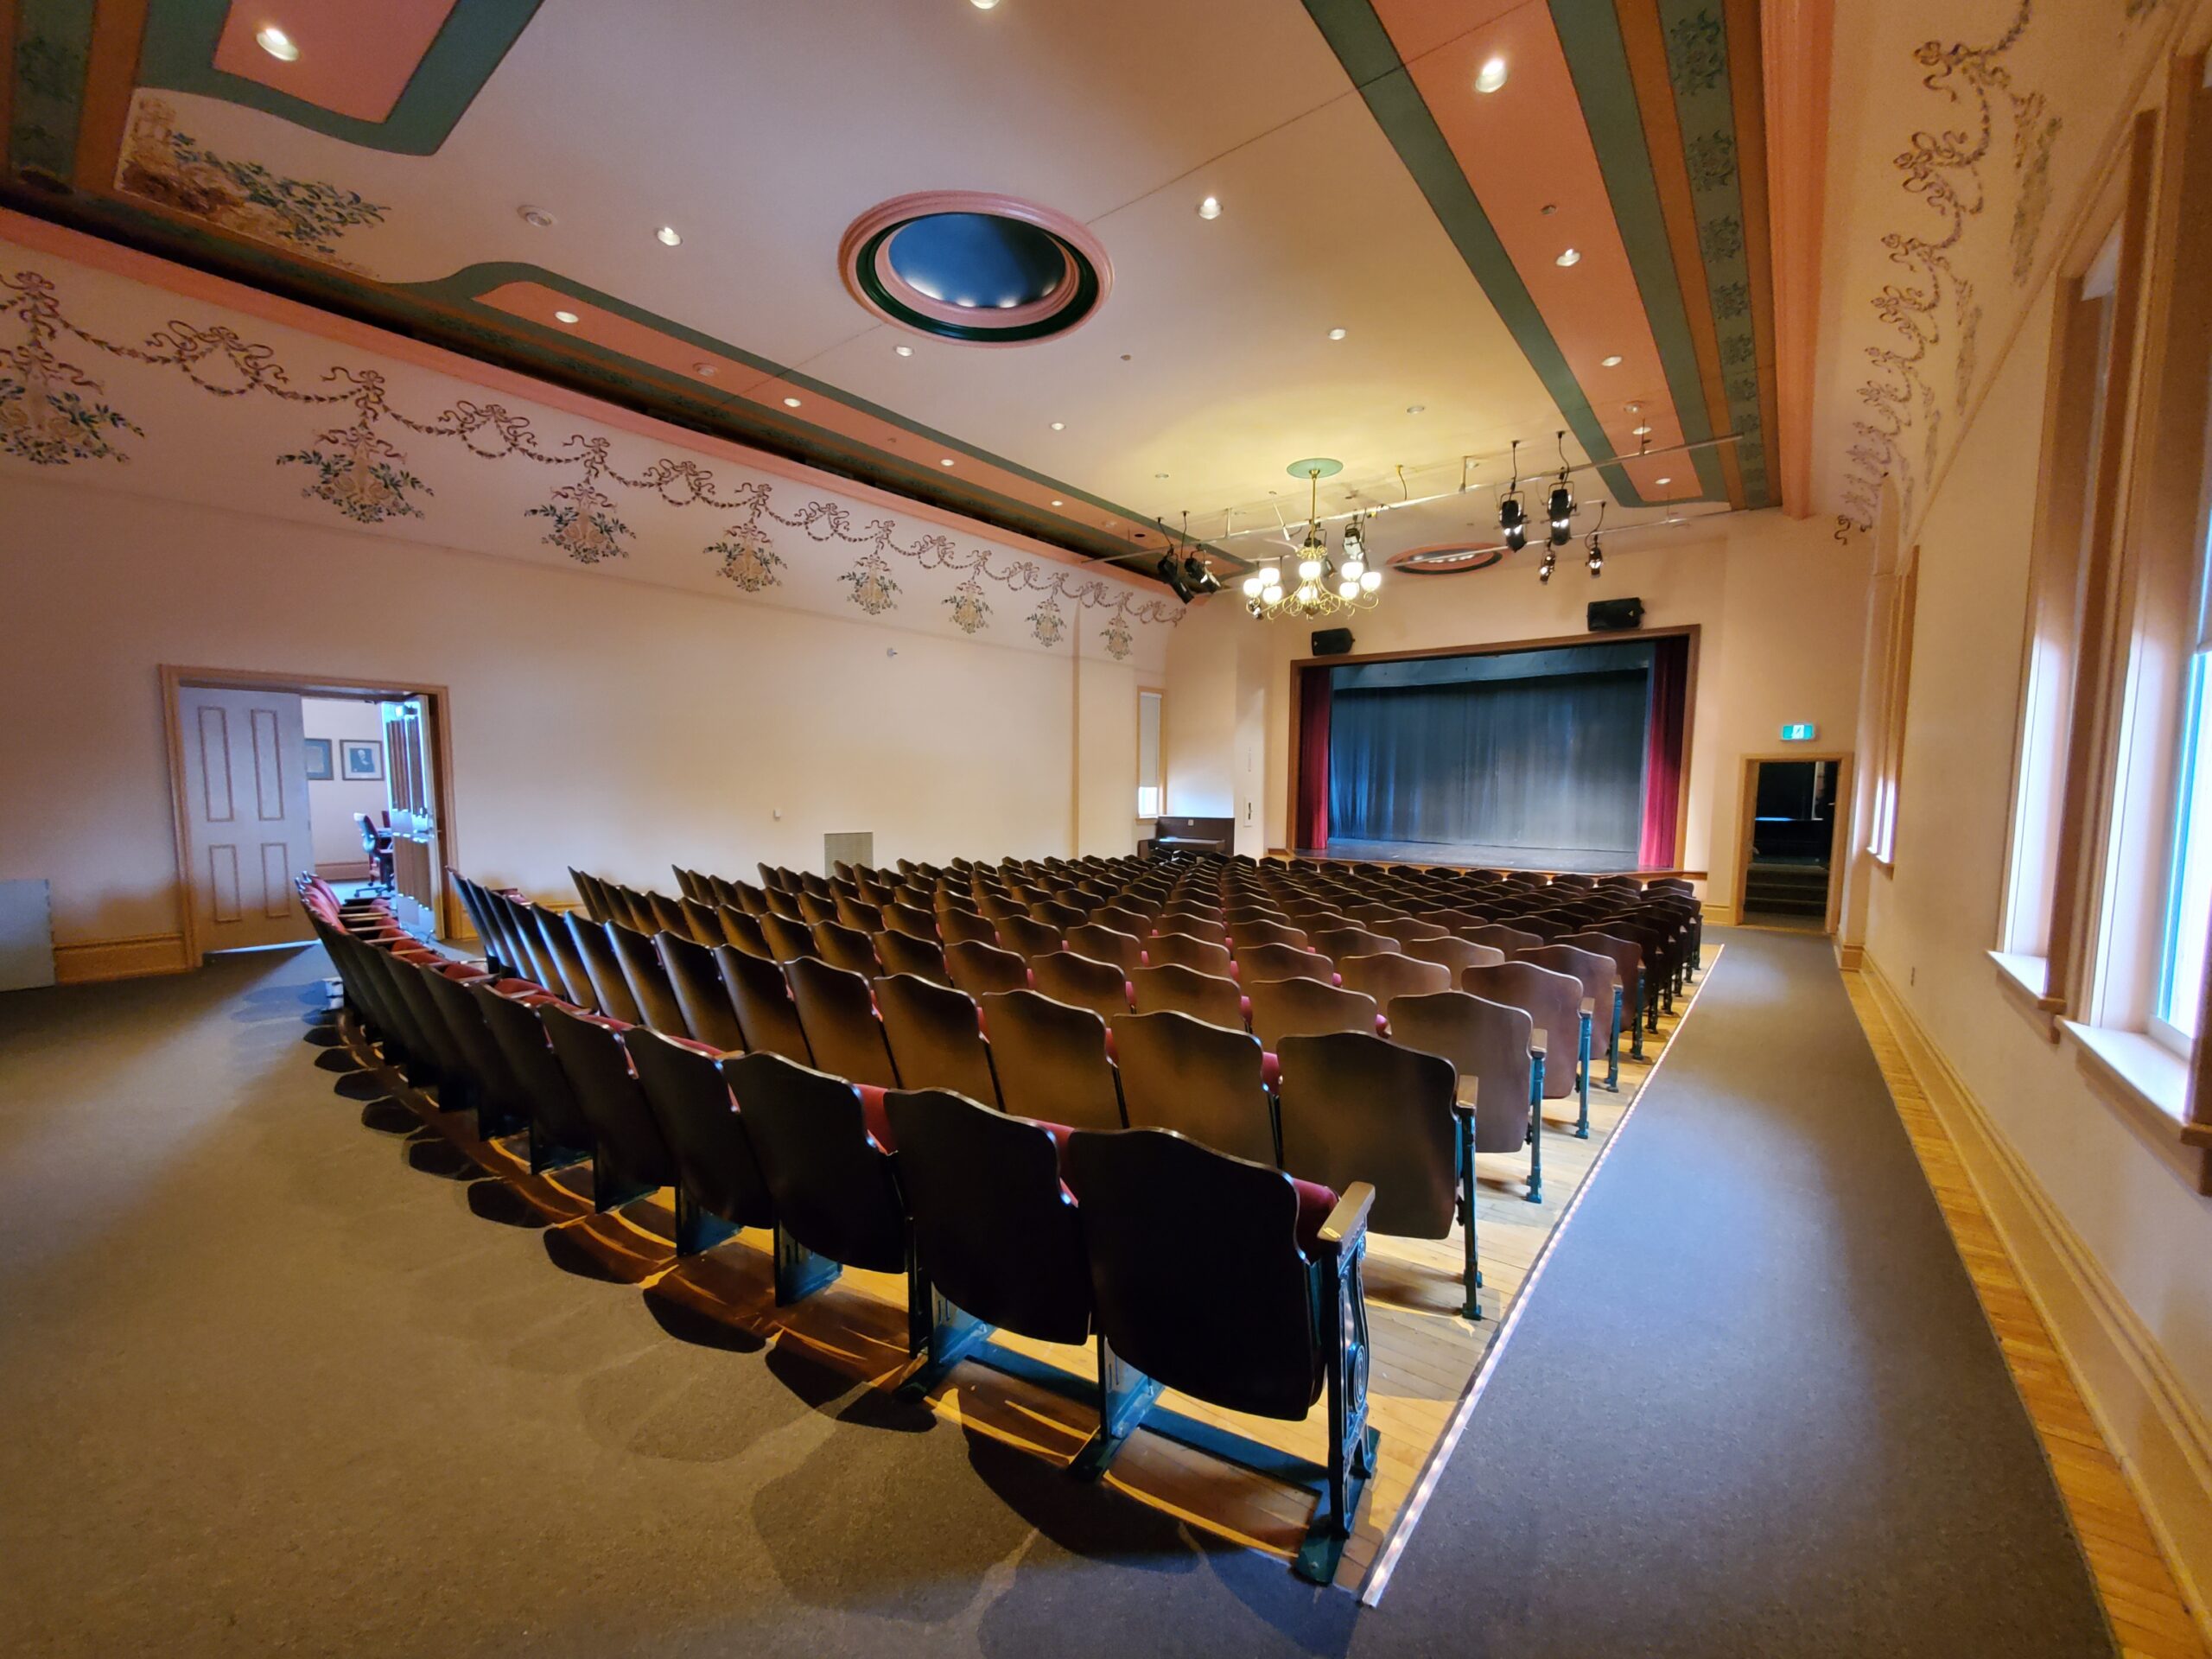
(1331,642)
(1615,615)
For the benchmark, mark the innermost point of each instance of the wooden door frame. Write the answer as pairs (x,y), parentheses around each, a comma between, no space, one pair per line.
(1839,826)
(437,705)
(1694,632)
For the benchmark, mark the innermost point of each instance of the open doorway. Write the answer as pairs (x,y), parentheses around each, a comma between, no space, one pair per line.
(276,775)
(1789,845)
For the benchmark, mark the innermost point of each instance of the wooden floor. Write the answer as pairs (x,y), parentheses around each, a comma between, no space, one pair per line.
(2140,1594)
(1427,1358)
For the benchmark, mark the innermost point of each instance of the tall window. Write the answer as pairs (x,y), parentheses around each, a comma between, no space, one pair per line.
(2187,920)
(1897,692)
(1151,781)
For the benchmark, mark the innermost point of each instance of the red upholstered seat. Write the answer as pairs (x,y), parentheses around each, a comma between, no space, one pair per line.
(1315,1201)
(878,1120)
(1270,1071)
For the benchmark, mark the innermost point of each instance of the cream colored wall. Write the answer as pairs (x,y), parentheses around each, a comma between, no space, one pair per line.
(601,723)
(1765,592)
(333,801)
(1930,924)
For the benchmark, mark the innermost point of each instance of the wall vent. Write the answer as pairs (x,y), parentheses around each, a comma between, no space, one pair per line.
(854,846)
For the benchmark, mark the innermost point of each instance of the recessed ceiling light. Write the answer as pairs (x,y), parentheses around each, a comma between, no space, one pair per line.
(904,351)
(1210,208)
(1612,362)
(667,236)
(1571,256)
(945,460)
(1160,474)
(277,43)
(790,403)
(1415,408)
(1059,426)
(1666,480)
(707,369)
(536,218)
(984,6)
(1335,333)
(1058,502)
(1490,76)
(564,316)
(1642,431)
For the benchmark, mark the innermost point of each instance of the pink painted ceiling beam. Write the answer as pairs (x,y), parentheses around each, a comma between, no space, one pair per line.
(355,58)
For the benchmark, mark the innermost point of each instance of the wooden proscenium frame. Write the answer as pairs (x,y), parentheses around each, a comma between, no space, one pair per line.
(437,704)
(1691,631)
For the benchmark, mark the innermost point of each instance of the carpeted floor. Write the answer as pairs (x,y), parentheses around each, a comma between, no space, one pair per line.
(276,1376)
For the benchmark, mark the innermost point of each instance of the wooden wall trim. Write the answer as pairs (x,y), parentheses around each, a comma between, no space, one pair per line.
(2154,1428)
(104,959)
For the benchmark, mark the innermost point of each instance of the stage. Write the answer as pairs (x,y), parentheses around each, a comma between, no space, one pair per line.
(1582,861)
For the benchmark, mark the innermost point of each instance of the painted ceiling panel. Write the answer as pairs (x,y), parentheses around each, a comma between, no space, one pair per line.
(352,60)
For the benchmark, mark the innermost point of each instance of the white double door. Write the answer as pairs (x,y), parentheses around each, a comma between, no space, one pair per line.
(245,813)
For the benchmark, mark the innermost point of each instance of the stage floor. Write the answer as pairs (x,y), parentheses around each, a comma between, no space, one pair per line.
(1457,854)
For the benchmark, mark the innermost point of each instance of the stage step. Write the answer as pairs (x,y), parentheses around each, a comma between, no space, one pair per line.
(1787,889)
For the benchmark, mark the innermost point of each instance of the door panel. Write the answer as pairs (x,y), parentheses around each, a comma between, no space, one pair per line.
(415,865)
(246,824)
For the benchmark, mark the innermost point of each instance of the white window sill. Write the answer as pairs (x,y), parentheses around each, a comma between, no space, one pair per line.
(2025,980)
(2136,1073)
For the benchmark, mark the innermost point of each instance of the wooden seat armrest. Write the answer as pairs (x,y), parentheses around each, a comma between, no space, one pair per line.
(1347,1223)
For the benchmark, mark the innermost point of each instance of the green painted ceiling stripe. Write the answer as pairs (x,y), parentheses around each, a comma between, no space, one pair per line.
(1697,63)
(1598,59)
(51,57)
(464,287)
(1363,47)
(179,55)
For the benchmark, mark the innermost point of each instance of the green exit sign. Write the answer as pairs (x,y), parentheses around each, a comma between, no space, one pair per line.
(1800,733)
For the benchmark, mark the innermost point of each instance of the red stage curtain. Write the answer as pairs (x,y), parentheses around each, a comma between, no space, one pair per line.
(1313,696)
(1662,771)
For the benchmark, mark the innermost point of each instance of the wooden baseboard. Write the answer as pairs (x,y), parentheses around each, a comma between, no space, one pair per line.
(2154,1428)
(1719,915)
(1849,958)
(102,959)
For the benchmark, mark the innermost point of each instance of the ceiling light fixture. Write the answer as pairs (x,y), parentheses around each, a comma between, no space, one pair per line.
(1335,333)
(1059,426)
(1210,208)
(1490,76)
(1549,564)
(1058,502)
(790,403)
(566,317)
(536,218)
(1612,362)
(1512,514)
(1325,589)
(277,43)
(667,238)
(904,351)
(984,6)
(1569,256)
(945,460)
(1666,480)
(1415,408)
(1559,507)
(707,369)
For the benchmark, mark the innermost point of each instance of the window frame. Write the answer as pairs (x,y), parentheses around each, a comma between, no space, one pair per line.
(1158,781)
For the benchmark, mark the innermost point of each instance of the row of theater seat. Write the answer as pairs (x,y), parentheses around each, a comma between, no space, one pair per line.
(1056,1233)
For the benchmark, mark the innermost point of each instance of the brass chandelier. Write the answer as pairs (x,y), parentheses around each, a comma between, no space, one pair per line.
(1326,587)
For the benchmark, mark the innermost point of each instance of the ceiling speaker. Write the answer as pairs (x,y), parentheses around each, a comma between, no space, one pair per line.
(1331,642)
(1615,615)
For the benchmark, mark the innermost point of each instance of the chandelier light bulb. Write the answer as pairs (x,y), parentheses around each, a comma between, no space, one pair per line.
(1348,588)
(1354,565)
(1307,593)
(1252,586)
(1309,570)
(1370,581)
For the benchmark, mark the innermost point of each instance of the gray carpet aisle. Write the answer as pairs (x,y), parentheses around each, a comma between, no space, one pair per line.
(278,1374)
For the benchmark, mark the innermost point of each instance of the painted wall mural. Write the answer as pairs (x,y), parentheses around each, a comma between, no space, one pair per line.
(364,465)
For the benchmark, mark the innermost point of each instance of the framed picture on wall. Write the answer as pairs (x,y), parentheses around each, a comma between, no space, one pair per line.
(364,760)
(319,760)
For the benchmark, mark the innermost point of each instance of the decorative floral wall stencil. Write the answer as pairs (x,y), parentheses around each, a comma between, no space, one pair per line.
(2032,145)
(747,559)
(45,416)
(872,586)
(50,413)
(971,610)
(360,474)
(159,164)
(1115,633)
(1047,624)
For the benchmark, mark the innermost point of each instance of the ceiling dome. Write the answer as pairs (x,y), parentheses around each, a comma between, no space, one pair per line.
(981,269)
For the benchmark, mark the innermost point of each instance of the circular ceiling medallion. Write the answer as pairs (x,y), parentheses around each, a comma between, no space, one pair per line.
(982,269)
(1446,559)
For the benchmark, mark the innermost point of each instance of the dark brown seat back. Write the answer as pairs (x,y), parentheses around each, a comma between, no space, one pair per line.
(1389,974)
(994,1231)
(1456,955)
(1305,1007)
(1203,1081)
(1335,941)
(1594,969)
(956,926)
(788,939)
(904,953)
(1508,939)
(690,1101)
(610,987)
(1026,937)
(1186,950)
(762,997)
(521,1036)
(1246,934)
(1081,983)
(830,1181)
(647,980)
(979,968)
(1489,1044)
(632,1152)
(936,1037)
(838,1016)
(844,947)
(1050,1060)
(1258,963)
(1169,987)
(1552,1002)
(1354,1108)
(1107,944)
(697,981)
(1240,1335)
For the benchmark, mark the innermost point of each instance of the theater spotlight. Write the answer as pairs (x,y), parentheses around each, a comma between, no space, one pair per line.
(1544,570)
(1170,570)
(1597,559)
(1512,517)
(1199,576)
(1561,506)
